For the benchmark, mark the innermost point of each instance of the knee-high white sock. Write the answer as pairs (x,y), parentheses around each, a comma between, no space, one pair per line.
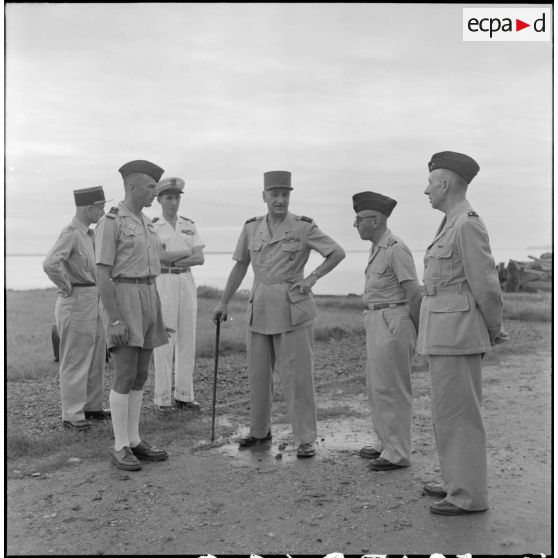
(119,413)
(134,410)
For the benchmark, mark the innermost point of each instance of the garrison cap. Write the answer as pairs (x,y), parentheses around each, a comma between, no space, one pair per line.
(277,179)
(373,201)
(466,167)
(89,196)
(144,167)
(169,185)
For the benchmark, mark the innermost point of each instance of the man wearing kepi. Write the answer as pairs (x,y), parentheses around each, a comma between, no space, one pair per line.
(281,310)
(182,248)
(127,264)
(392,304)
(70,265)
(460,319)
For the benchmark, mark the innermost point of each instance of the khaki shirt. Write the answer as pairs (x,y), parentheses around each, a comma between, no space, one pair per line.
(390,263)
(278,261)
(128,243)
(183,237)
(462,299)
(72,258)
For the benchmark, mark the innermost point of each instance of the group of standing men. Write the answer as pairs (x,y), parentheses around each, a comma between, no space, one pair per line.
(454,319)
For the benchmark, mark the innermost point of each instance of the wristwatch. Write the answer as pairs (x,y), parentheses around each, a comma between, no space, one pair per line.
(117,322)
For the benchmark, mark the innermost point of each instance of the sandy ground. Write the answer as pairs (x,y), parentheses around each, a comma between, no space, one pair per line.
(216,499)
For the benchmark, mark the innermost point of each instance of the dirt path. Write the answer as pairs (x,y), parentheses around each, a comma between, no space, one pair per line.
(219,500)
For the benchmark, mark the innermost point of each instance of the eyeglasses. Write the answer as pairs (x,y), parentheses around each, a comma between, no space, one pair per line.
(358,220)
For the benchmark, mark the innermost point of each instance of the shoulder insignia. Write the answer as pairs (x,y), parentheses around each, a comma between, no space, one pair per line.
(254,219)
(307,219)
(186,219)
(472,214)
(155,219)
(112,213)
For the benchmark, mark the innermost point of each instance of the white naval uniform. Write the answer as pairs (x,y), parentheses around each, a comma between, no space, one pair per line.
(180,306)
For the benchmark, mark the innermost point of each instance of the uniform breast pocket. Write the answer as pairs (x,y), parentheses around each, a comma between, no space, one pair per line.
(377,276)
(256,249)
(440,263)
(81,260)
(291,249)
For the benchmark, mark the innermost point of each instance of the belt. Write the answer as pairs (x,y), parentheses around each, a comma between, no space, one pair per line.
(384,305)
(433,290)
(175,270)
(136,280)
(83,284)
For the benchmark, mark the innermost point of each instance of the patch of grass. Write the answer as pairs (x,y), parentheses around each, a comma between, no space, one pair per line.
(528,307)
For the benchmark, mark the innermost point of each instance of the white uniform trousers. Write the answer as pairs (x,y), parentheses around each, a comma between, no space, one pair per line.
(390,343)
(82,352)
(459,428)
(179,304)
(292,354)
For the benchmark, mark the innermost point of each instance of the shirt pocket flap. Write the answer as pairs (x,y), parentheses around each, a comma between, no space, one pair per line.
(441,252)
(256,245)
(291,246)
(450,303)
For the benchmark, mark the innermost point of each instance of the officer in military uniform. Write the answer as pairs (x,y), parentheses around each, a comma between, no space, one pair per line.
(182,248)
(460,319)
(392,305)
(70,265)
(281,310)
(127,264)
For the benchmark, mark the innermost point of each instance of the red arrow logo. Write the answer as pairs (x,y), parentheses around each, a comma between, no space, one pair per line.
(519,25)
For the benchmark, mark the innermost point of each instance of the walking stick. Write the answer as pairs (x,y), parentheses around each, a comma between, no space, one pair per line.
(218,328)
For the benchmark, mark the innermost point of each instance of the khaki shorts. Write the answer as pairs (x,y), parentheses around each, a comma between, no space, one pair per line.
(140,308)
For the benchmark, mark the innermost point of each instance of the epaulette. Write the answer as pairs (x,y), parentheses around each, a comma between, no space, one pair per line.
(186,219)
(253,219)
(303,218)
(472,214)
(155,219)
(391,241)
(112,213)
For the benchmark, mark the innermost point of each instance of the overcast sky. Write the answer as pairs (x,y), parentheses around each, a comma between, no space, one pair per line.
(348,97)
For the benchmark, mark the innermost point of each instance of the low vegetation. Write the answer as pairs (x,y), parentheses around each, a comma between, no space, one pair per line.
(34,428)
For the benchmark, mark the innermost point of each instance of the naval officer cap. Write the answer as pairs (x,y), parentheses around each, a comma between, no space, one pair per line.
(374,202)
(170,185)
(144,167)
(89,196)
(463,165)
(277,179)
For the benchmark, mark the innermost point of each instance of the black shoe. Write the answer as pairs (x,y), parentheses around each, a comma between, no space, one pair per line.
(249,441)
(381,464)
(434,490)
(369,452)
(187,405)
(103,414)
(144,450)
(81,425)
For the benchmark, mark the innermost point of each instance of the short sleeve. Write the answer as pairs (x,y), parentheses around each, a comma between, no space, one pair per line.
(105,241)
(402,263)
(197,241)
(242,252)
(320,242)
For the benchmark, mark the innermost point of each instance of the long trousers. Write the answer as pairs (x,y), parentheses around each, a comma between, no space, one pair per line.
(459,428)
(390,343)
(82,352)
(292,355)
(179,304)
